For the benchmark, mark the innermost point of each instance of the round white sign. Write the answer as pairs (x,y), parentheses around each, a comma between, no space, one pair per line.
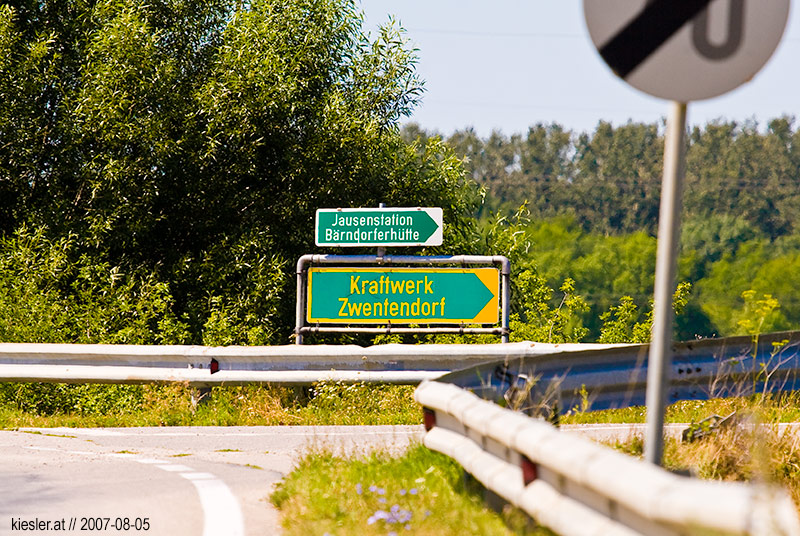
(686,50)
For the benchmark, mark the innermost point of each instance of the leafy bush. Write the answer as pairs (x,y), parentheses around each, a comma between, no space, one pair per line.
(621,323)
(48,293)
(68,399)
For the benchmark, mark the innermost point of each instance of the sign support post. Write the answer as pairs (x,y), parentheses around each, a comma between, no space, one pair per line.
(669,230)
(381,253)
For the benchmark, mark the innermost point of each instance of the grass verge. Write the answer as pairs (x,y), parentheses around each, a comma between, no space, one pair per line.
(783,407)
(421,492)
(50,405)
(333,403)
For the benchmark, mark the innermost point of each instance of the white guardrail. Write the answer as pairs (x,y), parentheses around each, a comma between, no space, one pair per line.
(236,365)
(577,487)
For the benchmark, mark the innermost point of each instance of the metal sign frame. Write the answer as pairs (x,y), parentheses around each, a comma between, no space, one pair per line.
(306,261)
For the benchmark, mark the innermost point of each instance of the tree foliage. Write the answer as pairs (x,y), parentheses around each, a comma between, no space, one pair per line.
(593,198)
(194,142)
(609,180)
(49,295)
(161,164)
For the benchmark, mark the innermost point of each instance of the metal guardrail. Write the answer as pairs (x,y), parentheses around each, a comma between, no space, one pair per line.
(235,365)
(568,482)
(577,487)
(616,377)
(535,377)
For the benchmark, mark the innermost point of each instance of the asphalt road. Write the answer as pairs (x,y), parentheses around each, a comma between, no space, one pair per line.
(185,481)
(207,481)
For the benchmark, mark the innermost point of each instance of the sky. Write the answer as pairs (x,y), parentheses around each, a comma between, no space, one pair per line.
(509,64)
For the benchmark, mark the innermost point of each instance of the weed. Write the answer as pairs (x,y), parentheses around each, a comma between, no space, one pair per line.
(752,448)
(55,405)
(360,403)
(632,447)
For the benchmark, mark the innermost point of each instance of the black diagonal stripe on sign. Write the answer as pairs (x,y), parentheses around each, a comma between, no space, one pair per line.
(657,22)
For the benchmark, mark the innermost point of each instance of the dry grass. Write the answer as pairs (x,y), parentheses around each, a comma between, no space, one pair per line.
(745,452)
(752,448)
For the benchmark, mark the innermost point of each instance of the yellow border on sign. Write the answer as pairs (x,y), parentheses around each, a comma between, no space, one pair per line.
(488,315)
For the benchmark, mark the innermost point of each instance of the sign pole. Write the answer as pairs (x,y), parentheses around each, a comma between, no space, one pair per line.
(664,48)
(381,250)
(660,358)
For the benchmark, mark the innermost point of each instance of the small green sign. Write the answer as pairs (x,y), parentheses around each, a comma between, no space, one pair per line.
(403,295)
(351,227)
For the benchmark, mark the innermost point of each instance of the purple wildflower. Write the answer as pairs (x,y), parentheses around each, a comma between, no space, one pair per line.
(378,515)
(359,489)
(404,516)
(413,491)
(396,514)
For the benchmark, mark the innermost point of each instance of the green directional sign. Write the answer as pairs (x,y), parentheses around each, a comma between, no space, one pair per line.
(403,295)
(350,227)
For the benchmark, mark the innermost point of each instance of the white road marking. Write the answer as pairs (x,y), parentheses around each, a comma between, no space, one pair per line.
(174,468)
(222,515)
(150,461)
(101,432)
(197,476)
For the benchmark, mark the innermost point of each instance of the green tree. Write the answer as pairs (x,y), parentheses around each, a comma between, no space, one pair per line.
(759,267)
(617,184)
(194,141)
(539,320)
(735,169)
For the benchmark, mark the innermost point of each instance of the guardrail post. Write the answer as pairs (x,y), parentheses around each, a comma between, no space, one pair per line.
(200,396)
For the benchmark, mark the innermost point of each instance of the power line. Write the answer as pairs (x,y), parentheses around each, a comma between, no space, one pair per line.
(515,106)
(497,34)
(533,35)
